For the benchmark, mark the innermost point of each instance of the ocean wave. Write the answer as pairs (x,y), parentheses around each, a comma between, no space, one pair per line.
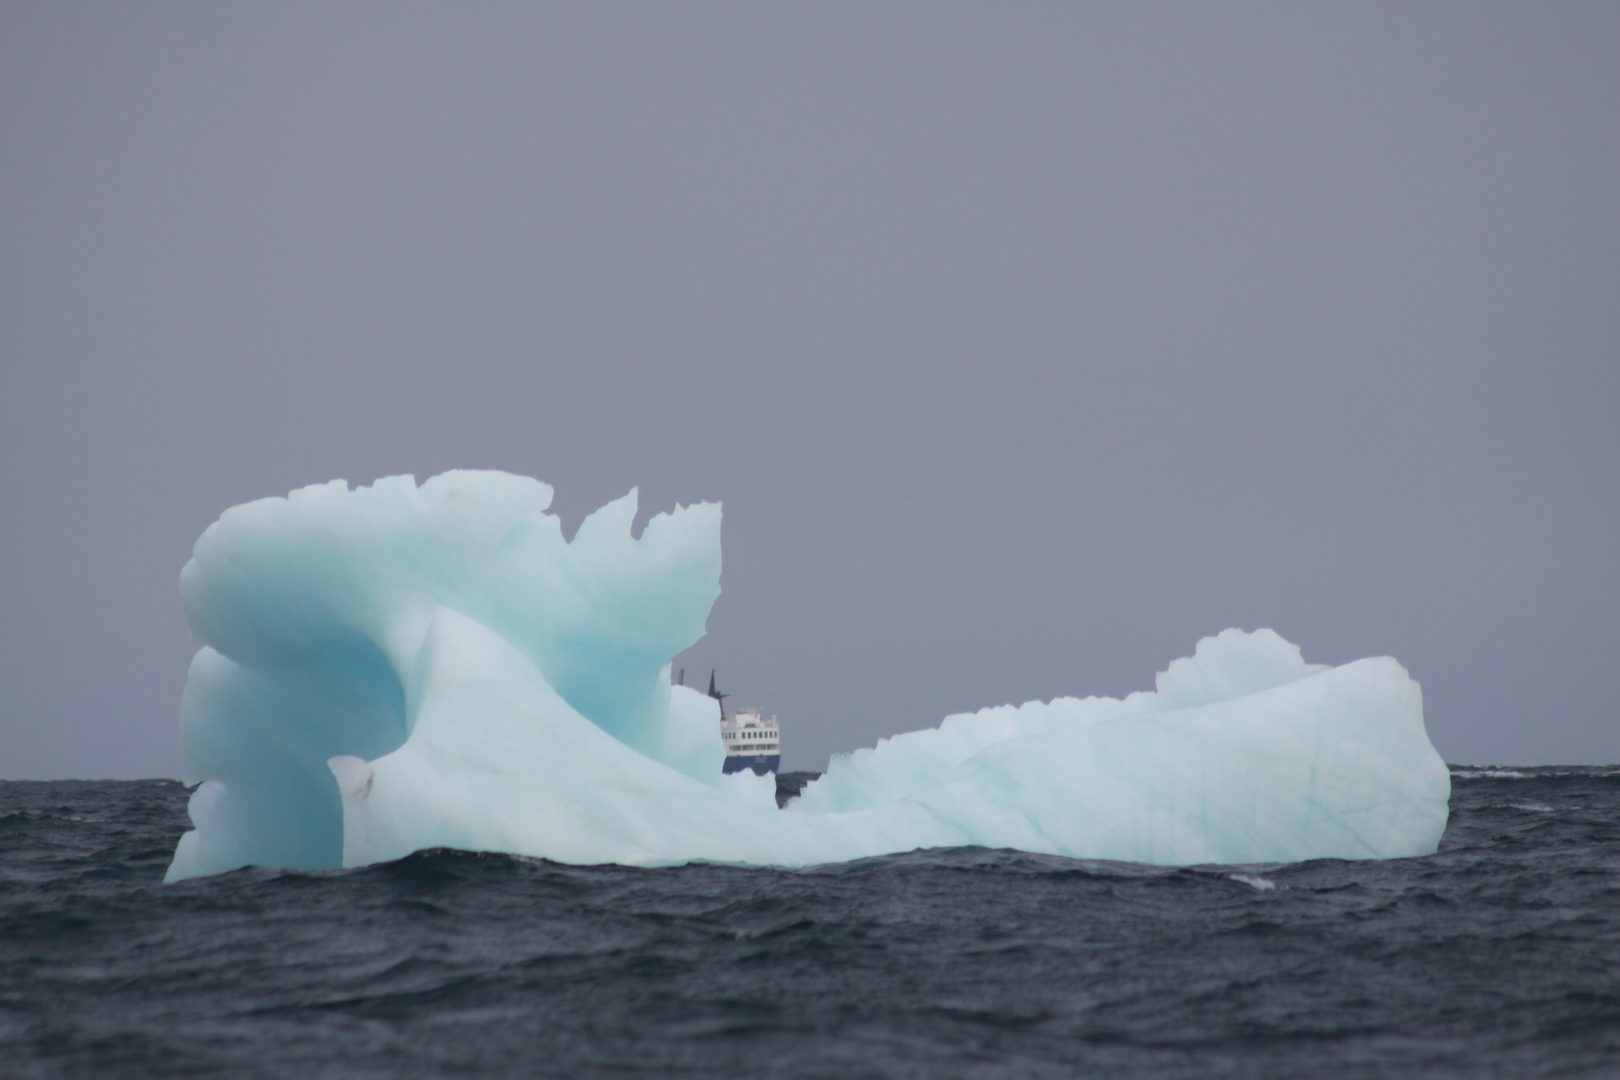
(450,961)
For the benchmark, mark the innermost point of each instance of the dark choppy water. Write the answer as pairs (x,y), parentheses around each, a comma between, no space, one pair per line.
(1498,957)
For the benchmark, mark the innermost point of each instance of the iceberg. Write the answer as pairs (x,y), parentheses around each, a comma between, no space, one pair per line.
(404,666)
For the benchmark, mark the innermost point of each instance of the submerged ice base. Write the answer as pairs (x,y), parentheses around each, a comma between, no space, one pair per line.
(402,667)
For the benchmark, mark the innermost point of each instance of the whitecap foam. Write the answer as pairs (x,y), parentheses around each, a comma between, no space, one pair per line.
(1258,884)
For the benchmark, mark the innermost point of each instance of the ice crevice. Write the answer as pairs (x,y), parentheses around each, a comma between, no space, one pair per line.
(404,666)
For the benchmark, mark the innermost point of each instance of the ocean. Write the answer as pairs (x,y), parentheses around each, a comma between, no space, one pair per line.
(1497,957)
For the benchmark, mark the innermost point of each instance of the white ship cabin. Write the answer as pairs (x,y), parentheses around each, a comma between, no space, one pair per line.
(746,733)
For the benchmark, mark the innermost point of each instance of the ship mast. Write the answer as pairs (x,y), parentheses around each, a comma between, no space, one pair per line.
(719,698)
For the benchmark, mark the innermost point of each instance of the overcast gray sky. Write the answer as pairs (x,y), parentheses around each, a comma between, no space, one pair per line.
(1024,344)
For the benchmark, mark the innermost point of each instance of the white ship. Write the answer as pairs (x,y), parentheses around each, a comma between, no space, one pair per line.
(752,742)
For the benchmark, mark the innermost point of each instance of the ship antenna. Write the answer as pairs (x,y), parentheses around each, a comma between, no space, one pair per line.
(717,695)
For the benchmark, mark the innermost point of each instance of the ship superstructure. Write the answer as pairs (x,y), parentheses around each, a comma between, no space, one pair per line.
(752,742)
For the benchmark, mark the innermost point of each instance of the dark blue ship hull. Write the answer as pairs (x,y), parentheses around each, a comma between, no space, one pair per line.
(760,763)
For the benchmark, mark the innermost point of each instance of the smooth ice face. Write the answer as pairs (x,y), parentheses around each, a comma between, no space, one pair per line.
(401,667)
(315,612)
